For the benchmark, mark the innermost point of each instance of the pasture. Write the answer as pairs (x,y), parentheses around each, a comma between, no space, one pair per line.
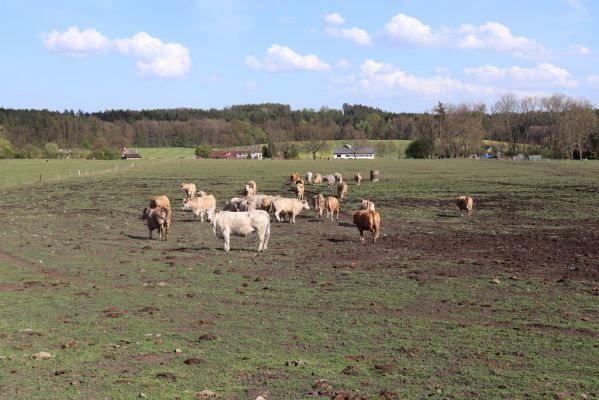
(504,304)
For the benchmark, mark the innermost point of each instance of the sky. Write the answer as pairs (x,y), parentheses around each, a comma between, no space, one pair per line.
(400,56)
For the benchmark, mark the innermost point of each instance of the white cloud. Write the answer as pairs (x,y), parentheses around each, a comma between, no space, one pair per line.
(156,58)
(404,30)
(153,56)
(334,19)
(356,35)
(578,50)
(593,79)
(343,63)
(74,42)
(380,80)
(251,85)
(543,74)
(282,59)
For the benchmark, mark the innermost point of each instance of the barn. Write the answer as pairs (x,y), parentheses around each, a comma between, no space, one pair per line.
(348,152)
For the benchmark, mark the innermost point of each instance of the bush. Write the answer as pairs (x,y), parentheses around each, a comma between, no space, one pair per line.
(203,151)
(419,149)
(29,151)
(291,153)
(104,154)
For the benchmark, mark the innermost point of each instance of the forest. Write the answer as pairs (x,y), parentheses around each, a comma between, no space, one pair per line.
(555,126)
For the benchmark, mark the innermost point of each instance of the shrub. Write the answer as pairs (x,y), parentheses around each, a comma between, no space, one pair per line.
(419,149)
(203,151)
(104,154)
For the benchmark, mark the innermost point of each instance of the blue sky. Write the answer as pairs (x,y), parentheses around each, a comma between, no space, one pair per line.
(397,55)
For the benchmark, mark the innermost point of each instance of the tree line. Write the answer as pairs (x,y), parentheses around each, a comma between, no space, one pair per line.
(557,126)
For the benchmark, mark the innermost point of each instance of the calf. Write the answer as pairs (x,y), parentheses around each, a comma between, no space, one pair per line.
(189,189)
(358,178)
(332,207)
(299,191)
(225,223)
(287,206)
(464,203)
(199,205)
(317,180)
(367,220)
(342,190)
(295,176)
(318,202)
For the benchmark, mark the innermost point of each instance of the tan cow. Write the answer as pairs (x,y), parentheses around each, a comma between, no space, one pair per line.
(358,178)
(189,189)
(295,176)
(317,180)
(367,220)
(160,201)
(332,207)
(157,218)
(367,205)
(299,191)
(199,205)
(342,190)
(318,202)
(464,203)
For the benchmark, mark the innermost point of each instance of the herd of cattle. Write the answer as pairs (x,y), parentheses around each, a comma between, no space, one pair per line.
(242,216)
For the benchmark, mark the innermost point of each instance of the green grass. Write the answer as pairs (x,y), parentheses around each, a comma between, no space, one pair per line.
(75,265)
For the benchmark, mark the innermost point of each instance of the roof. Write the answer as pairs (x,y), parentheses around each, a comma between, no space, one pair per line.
(130,155)
(359,150)
(223,154)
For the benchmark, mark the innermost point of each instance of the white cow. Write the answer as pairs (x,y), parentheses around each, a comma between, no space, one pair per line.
(199,205)
(227,223)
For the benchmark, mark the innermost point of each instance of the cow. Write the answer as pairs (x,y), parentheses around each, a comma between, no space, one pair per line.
(189,189)
(342,189)
(309,176)
(295,176)
(248,191)
(329,180)
(332,207)
(338,177)
(299,191)
(464,203)
(318,202)
(199,205)
(367,220)
(367,205)
(247,205)
(358,178)
(317,180)
(160,201)
(157,218)
(226,223)
(287,206)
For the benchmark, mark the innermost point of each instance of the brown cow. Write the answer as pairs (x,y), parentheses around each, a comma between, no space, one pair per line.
(464,203)
(342,190)
(367,220)
(332,207)
(295,176)
(318,202)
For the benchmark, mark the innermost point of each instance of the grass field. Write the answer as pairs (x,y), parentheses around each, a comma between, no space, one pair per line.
(500,305)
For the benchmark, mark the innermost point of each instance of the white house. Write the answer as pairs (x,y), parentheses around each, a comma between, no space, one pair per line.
(347,152)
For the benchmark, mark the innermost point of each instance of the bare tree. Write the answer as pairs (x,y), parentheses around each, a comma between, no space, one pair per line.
(580,121)
(315,137)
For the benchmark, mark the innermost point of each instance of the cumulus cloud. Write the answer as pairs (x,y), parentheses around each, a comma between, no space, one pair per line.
(153,56)
(74,42)
(282,59)
(543,74)
(578,50)
(404,30)
(156,58)
(334,19)
(356,35)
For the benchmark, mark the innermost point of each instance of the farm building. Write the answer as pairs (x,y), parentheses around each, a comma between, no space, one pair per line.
(223,154)
(127,154)
(348,152)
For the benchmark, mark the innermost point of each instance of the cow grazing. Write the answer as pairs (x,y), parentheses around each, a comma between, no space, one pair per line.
(309,177)
(199,205)
(225,223)
(299,191)
(332,207)
(338,177)
(157,218)
(317,180)
(295,176)
(367,220)
(464,203)
(342,190)
(329,180)
(287,206)
(358,178)
(367,205)
(318,202)
(189,189)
